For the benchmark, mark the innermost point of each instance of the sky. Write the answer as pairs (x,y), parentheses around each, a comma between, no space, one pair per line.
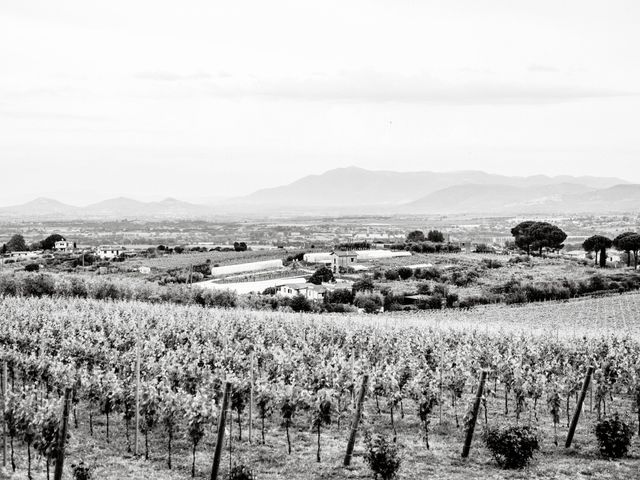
(205,99)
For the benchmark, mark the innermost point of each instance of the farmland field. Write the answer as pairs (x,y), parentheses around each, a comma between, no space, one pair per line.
(533,354)
(184,260)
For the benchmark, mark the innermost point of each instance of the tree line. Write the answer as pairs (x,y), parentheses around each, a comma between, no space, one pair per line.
(17,243)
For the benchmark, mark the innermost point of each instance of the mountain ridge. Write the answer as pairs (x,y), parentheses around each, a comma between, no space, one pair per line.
(356,190)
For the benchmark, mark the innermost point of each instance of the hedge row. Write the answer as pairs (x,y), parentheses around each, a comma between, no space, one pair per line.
(42,284)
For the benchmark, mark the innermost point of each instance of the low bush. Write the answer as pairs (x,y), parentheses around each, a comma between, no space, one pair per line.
(81,471)
(424,288)
(430,302)
(392,274)
(215,298)
(382,457)
(38,285)
(512,446)
(427,273)
(370,303)
(491,263)
(405,273)
(299,303)
(614,436)
(339,295)
(241,472)
(520,259)
(451,299)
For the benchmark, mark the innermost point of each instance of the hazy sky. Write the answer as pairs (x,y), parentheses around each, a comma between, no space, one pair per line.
(198,99)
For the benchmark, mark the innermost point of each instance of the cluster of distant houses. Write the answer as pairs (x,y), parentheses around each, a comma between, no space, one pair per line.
(105,252)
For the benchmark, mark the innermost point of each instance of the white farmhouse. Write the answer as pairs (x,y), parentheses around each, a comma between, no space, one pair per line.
(109,252)
(63,246)
(342,260)
(309,290)
(22,255)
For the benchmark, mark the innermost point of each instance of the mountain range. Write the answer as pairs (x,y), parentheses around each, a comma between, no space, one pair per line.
(356,190)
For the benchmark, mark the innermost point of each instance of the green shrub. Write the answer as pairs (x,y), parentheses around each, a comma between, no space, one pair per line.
(382,457)
(430,302)
(475,300)
(512,446)
(440,289)
(370,303)
(9,285)
(321,275)
(405,273)
(391,274)
(81,471)
(215,298)
(299,303)
(428,273)
(339,295)
(38,285)
(614,436)
(241,472)
(491,263)
(32,267)
(424,288)
(451,299)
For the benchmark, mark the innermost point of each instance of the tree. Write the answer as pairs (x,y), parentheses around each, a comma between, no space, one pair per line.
(240,246)
(321,275)
(339,295)
(522,236)
(598,243)
(545,235)
(416,236)
(299,303)
(405,273)
(630,242)
(50,242)
(365,284)
(17,244)
(435,236)
(538,235)
(622,244)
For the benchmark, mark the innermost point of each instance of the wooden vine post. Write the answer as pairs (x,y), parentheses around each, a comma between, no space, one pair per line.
(356,420)
(251,400)
(4,424)
(135,436)
(576,415)
(220,437)
(474,415)
(62,438)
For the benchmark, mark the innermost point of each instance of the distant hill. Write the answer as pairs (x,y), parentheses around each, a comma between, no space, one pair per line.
(125,207)
(41,207)
(497,198)
(617,198)
(354,186)
(352,190)
(114,208)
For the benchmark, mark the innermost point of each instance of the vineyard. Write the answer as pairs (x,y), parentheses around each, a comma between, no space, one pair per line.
(185,260)
(295,381)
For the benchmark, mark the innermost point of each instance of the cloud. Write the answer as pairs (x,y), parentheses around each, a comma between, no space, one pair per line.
(50,116)
(543,68)
(378,87)
(375,87)
(171,77)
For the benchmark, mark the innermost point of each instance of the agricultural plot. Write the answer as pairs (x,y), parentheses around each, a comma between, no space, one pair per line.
(423,373)
(185,260)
